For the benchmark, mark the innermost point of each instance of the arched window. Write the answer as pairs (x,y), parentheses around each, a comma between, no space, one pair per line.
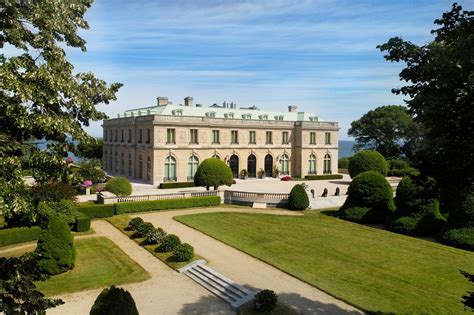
(170,169)
(140,167)
(284,165)
(327,164)
(123,163)
(148,169)
(193,163)
(129,165)
(312,165)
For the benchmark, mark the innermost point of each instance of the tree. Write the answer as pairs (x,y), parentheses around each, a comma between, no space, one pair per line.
(41,97)
(440,92)
(213,172)
(114,300)
(91,149)
(468,298)
(382,129)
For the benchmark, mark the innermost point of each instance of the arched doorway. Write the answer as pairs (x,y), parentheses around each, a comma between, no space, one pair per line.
(268,165)
(252,165)
(234,165)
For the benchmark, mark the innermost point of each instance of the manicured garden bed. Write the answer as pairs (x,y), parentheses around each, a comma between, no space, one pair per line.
(373,269)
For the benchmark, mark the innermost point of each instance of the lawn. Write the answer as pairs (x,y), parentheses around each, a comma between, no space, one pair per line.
(99,263)
(373,269)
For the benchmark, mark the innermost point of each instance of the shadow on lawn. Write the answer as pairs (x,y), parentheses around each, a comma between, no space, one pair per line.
(330,213)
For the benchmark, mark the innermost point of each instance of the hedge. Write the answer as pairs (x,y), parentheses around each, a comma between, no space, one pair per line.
(177,185)
(323,177)
(153,205)
(83,222)
(19,235)
(97,210)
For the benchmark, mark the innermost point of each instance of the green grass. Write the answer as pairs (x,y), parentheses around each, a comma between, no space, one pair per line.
(373,269)
(99,263)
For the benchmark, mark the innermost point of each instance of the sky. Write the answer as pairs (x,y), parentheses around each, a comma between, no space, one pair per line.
(319,55)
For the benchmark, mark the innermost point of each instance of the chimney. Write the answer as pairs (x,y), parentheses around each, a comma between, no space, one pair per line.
(292,108)
(161,101)
(188,101)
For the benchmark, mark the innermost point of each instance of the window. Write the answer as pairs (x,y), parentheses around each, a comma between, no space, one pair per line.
(116,162)
(229,115)
(246,116)
(148,135)
(110,135)
(140,167)
(314,118)
(252,139)
(148,169)
(279,117)
(122,160)
(170,135)
(234,137)
(129,135)
(215,137)
(122,137)
(284,164)
(129,165)
(327,164)
(263,117)
(312,138)
(211,114)
(269,138)
(285,138)
(177,112)
(140,136)
(193,163)
(312,165)
(193,136)
(170,169)
(116,133)
(327,138)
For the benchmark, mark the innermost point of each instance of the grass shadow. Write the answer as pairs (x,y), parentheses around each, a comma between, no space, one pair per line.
(330,213)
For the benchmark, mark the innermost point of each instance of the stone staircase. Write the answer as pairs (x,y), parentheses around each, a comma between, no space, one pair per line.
(226,289)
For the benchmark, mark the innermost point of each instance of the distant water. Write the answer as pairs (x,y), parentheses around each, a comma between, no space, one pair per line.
(42,146)
(345,148)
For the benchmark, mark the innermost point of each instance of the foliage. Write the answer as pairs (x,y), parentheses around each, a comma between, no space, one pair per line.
(176,185)
(134,224)
(468,299)
(119,186)
(413,192)
(355,214)
(92,170)
(404,225)
(370,190)
(56,247)
(275,171)
(213,172)
(90,149)
(323,177)
(265,301)
(367,160)
(461,238)
(18,292)
(19,235)
(144,229)
(83,223)
(54,191)
(183,252)
(179,203)
(64,209)
(97,210)
(298,199)
(170,242)
(343,163)
(400,168)
(115,301)
(382,129)
(155,236)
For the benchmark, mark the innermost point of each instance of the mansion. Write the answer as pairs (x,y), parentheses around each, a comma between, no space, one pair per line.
(167,142)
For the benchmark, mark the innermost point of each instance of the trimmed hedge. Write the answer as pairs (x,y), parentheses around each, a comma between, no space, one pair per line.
(183,252)
(177,185)
(323,177)
(367,160)
(298,198)
(19,235)
(343,163)
(354,214)
(97,210)
(83,222)
(404,225)
(153,205)
(119,186)
(461,238)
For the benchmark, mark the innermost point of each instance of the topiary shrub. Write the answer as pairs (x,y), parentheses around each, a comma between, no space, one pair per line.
(354,214)
(404,225)
(461,238)
(183,252)
(367,160)
(265,301)
(56,247)
(370,190)
(155,236)
(298,198)
(170,242)
(115,301)
(134,224)
(119,186)
(343,163)
(144,229)
(55,191)
(213,172)
(64,209)
(83,223)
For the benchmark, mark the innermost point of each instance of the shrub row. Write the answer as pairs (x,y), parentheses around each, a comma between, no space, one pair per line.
(140,206)
(177,185)
(19,235)
(323,177)
(83,222)
(97,210)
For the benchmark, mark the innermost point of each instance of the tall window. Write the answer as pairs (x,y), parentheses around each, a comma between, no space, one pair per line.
(140,167)
(116,135)
(122,163)
(122,137)
(284,164)
(215,137)
(140,136)
(129,165)
(193,163)
(312,165)
(285,138)
(148,135)
(312,138)
(327,138)
(193,136)
(148,169)
(170,135)
(269,138)
(116,162)
(234,137)
(129,135)
(170,169)
(327,164)
(252,138)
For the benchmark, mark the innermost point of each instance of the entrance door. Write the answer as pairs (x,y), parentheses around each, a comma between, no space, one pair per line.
(252,165)
(234,165)
(268,165)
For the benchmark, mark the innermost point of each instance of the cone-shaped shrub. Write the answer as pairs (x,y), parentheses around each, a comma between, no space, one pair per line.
(298,198)
(115,301)
(367,160)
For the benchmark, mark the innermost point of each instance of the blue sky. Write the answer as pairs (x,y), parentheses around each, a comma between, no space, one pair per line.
(319,55)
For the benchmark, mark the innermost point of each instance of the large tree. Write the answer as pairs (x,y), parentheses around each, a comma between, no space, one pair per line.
(383,129)
(41,96)
(440,95)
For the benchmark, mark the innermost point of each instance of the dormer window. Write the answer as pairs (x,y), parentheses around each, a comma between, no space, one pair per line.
(229,115)
(211,114)
(263,117)
(314,118)
(177,112)
(246,116)
(280,117)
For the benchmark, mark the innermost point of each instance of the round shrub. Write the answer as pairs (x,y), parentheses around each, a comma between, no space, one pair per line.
(115,301)
(144,229)
(404,225)
(430,223)
(134,223)
(170,242)
(213,172)
(343,163)
(155,236)
(367,160)
(370,190)
(461,238)
(265,301)
(298,198)
(56,247)
(413,193)
(183,252)
(354,214)
(119,186)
